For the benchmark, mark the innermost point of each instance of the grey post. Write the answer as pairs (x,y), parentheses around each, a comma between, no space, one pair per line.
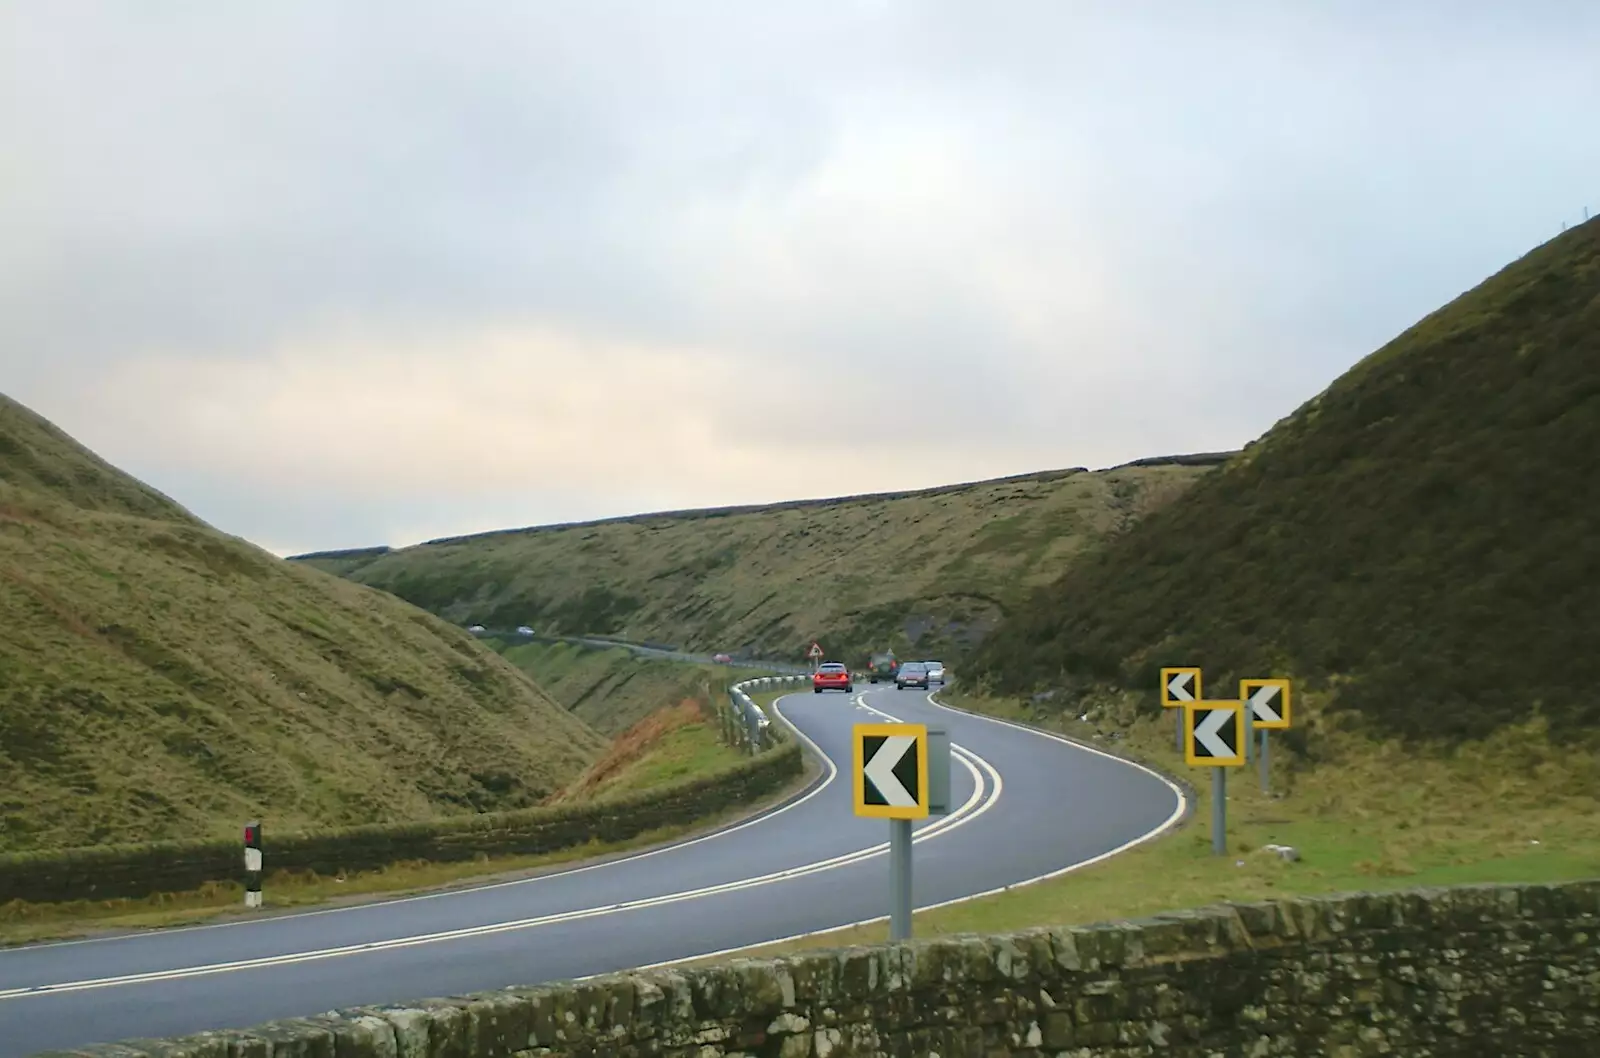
(938,771)
(1177,714)
(752,719)
(1266,783)
(900,879)
(1219,811)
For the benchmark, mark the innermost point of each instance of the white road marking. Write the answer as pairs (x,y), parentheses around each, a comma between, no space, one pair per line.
(1166,825)
(969,811)
(833,773)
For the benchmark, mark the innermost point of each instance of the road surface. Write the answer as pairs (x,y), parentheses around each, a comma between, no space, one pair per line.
(1024,805)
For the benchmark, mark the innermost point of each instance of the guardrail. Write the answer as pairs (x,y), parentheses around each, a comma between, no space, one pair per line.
(752,729)
(645,650)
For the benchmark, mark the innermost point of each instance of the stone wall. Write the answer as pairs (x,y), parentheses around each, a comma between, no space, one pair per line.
(1479,970)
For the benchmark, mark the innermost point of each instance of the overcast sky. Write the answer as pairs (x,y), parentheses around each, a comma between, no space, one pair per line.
(342,274)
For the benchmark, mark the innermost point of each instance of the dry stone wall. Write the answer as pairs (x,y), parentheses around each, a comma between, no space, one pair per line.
(1428,973)
(1479,970)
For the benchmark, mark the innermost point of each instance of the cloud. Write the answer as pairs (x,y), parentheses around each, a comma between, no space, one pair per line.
(258,252)
(536,412)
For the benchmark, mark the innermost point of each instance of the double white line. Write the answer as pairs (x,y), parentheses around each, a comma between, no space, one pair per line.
(985,794)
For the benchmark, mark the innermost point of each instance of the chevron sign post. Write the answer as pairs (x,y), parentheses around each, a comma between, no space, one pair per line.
(1179,687)
(1268,702)
(1214,738)
(894,781)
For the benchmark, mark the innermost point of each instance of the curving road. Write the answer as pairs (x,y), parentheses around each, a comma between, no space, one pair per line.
(1028,805)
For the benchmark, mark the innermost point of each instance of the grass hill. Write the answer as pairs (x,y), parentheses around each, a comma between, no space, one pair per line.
(929,571)
(611,688)
(1417,542)
(161,679)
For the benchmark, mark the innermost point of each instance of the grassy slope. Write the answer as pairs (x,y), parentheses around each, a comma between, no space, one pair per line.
(671,744)
(159,678)
(612,688)
(1420,536)
(657,710)
(1367,816)
(939,566)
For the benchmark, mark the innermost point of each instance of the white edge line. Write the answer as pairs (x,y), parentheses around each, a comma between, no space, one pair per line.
(1171,821)
(965,814)
(833,772)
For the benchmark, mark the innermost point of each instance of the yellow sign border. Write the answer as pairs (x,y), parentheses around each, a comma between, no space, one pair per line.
(1166,677)
(1189,710)
(1245,686)
(857,736)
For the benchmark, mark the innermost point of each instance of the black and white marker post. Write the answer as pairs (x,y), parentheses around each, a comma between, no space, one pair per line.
(252,864)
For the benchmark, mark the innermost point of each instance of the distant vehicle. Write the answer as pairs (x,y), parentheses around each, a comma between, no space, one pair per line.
(722,659)
(912,674)
(935,672)
(476,630)
(882,666)
(524,630)
(831,676)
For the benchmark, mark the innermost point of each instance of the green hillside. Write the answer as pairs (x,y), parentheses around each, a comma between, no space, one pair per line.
(1417,542)
(161,679)
(611,688)
(929,571)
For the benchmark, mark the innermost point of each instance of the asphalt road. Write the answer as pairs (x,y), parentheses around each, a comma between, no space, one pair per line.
(1026,805)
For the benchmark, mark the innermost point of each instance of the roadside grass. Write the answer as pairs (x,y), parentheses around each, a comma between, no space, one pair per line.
(24,923)
(160,679)
(937,567)
(671,745)
(612,688)
(682,753)
(1367,815)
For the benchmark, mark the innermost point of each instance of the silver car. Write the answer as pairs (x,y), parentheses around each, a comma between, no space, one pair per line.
(935,672)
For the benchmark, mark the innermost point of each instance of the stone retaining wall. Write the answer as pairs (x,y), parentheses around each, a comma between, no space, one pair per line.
(1478,970)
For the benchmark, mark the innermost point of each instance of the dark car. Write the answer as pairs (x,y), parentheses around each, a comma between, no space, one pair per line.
(912,674)
(882,666)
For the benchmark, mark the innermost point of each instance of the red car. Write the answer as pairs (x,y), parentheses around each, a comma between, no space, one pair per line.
(831,676)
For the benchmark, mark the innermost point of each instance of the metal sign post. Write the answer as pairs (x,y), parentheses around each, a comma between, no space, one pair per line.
(902,773)
(1269,703)
(1266,775)
(1215,739)
(1178,688)
(899,879)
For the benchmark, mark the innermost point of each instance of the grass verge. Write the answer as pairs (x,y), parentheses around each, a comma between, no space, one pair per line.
(670,745)
(1364,815)
(22,922)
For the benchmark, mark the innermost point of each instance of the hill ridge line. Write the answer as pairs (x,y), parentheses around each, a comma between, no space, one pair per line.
(1183,459)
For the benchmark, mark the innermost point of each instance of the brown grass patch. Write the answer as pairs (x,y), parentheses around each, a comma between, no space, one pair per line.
(632,745)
